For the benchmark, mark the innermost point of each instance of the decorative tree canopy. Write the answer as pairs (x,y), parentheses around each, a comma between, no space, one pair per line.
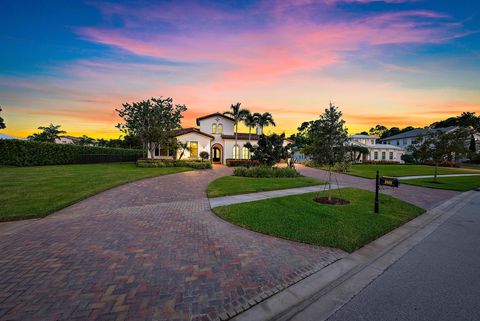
(152,120)
(265,120)
(269,149)
(238,114)
(47,134)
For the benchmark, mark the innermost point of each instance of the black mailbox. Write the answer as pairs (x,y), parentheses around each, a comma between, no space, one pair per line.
(389,181)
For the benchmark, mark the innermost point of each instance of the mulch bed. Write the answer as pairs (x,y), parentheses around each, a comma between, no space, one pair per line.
(332,201)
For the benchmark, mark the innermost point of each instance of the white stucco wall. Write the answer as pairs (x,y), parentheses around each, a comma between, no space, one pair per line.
(206,125)
(397,154)
(228,147)
(203,143)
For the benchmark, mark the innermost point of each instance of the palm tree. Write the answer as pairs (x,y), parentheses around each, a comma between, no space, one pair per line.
(238,115)
(265,120)
(251,121)
(183,147)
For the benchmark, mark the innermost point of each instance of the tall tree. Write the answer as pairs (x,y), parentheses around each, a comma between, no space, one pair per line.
(251,121)
(378,130)
(328,141)
(152,120)
(265,120)
(48,133)
(439,147)
(86,140)
(238,114)
(2,122)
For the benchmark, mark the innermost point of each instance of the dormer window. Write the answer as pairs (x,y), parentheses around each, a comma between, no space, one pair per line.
(220,128)
(214,128)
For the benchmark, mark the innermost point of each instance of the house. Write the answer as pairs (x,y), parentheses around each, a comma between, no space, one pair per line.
(67,140)
(3,136)
(214,135)
(376,152)
(412,137)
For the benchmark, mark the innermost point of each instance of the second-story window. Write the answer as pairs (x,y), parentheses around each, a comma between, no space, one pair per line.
(214,128)
(220,128)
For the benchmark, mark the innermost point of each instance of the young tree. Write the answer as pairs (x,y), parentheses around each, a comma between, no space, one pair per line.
(269,149)
(328,141)
(439,147)
(2,122)
(238,114)
(152,120)
(48,133)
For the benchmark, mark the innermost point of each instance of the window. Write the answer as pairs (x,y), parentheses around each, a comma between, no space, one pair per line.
(220,128)
(383,155)
(375,155)
(398,142)
(405,141)
(236,152)
(214,128)
(391,155)
(245,153)
(157,151)
(193,149)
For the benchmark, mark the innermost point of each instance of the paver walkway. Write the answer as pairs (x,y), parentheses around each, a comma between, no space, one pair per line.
(426,198)
(148,250)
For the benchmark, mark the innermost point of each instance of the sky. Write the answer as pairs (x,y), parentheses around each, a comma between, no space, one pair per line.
(391,62)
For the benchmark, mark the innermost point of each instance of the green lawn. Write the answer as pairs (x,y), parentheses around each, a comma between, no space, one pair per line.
(299,218)
(461,183)
(28,192)
(234,185)
(369,170)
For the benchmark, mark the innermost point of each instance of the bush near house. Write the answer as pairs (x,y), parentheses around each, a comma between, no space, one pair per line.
(196,164)
(241,162)
(30,153)
(264,172)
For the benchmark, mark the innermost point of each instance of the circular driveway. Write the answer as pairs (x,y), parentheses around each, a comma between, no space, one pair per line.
(148,250)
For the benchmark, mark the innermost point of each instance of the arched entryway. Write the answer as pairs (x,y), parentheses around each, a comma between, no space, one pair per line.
(217,153)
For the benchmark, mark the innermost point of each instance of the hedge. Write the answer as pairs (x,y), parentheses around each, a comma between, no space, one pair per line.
(241,162)
(30,153)
(173,163)
(265,172)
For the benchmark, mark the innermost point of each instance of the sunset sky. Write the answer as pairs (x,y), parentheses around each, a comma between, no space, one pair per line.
(391,62)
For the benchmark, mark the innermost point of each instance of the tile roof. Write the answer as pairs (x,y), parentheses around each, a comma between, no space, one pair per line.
(184,131)
(241,136)
(417,133)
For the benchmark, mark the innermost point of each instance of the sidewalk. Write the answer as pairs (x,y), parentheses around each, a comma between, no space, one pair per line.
(430,176)
(251,197)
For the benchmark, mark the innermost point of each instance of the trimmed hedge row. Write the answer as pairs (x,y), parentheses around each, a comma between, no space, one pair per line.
(241,162)
(173,163)
(30,153)
(265,172)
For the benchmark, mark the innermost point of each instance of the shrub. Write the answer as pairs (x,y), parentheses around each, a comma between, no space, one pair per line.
(30,153)
(265,172)
(242,162)
(204,155)
(383,162)
(173,163)
(442,164)
(342,167)
(408,158)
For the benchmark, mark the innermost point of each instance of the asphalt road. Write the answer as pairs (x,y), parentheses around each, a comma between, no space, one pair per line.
(437,280)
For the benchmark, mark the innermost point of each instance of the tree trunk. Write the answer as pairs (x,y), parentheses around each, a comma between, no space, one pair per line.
(436,172)
(152,150)
(330,183)
(236,143)
(249,134)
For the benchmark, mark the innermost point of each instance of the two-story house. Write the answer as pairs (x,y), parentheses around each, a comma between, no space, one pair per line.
(215,134)
(412,137)
(376,152)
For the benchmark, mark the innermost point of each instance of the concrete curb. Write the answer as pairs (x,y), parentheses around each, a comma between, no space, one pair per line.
(320,295)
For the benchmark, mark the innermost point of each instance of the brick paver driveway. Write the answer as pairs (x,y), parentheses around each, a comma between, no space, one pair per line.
(426,198)
(150,250)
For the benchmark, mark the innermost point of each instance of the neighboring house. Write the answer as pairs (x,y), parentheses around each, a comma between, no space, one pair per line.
(3,136)
(376,152)
(67,140)
(412,137)
(215,135)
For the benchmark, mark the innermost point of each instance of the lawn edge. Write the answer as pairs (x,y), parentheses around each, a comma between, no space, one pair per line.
(318,245)
(16,219)
(335,285)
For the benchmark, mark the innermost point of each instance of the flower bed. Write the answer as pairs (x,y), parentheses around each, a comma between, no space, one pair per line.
(173,163)
(264,172)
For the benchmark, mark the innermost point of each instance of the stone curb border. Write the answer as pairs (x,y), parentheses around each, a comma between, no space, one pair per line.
(321,294)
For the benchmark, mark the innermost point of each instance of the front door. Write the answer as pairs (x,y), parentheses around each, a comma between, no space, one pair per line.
(216,155)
